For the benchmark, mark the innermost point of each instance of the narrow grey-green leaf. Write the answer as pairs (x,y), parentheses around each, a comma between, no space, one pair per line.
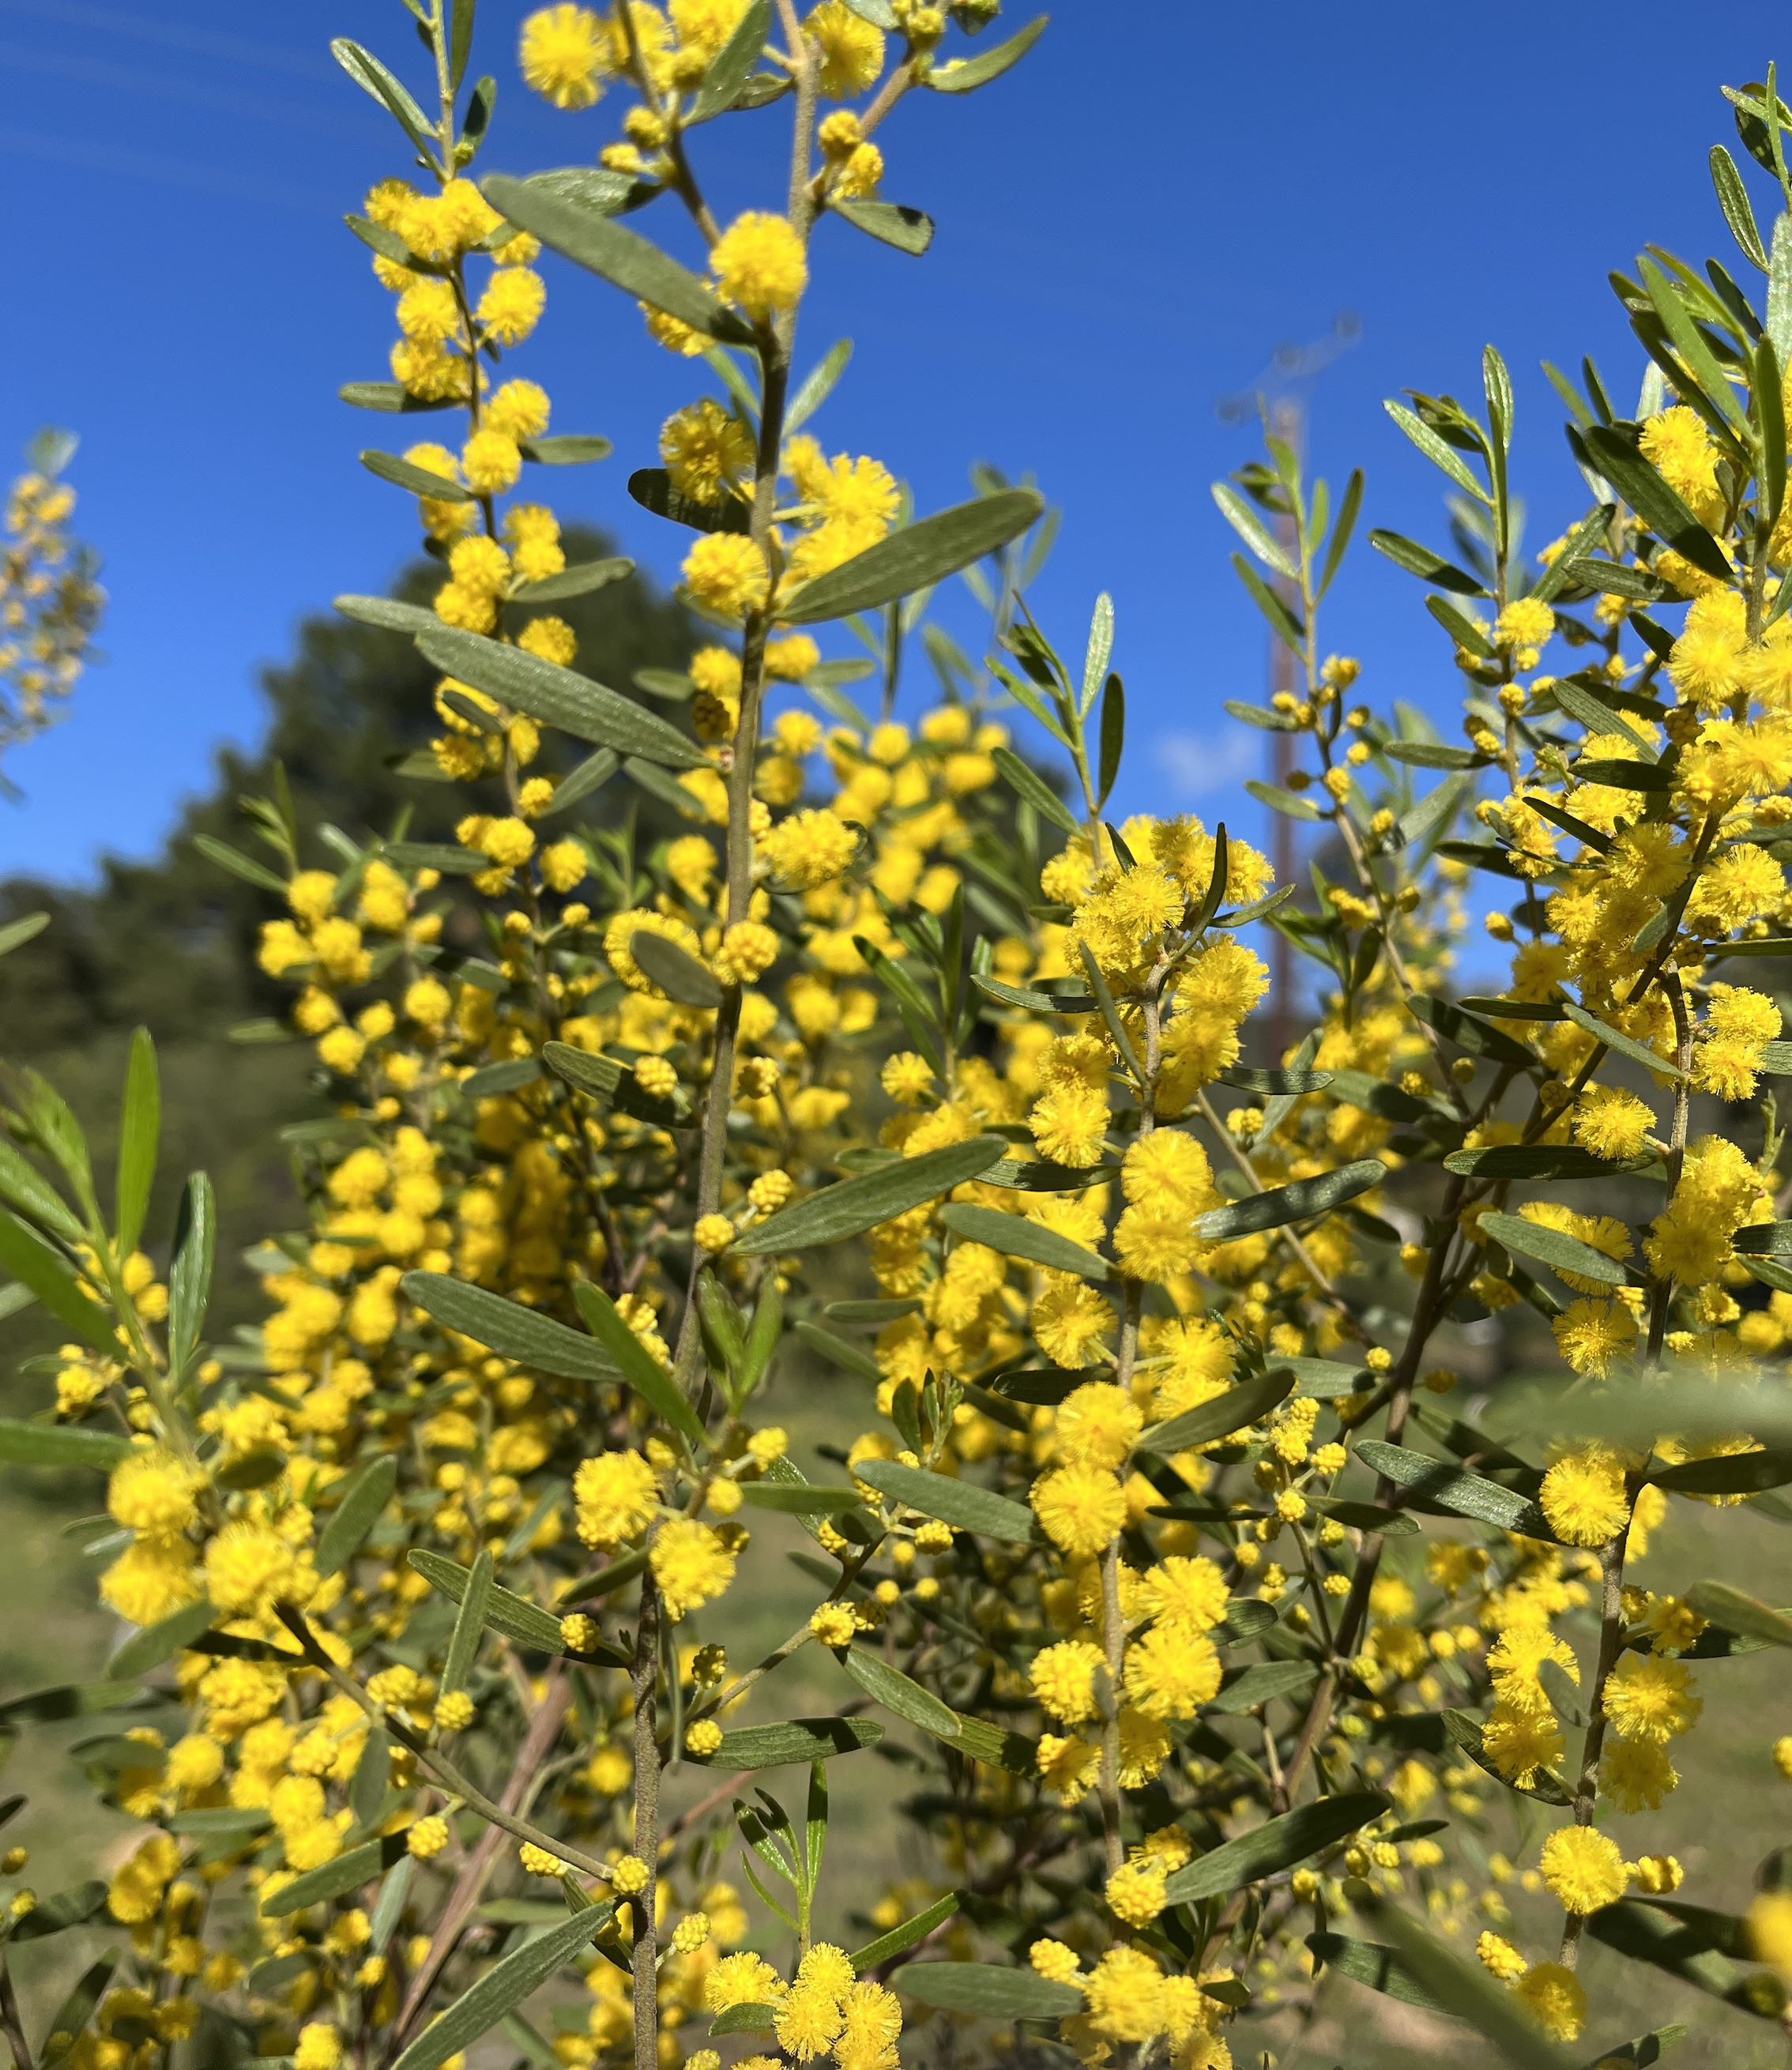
(1262,1683)
(139,1138)
(809,1499)
(1282,1204)
(577,581)
(1732,1473)
(818,385)
(1720,1603)
(415,480)
(1029,784)
(1779,288)
(240,865)
(961,1504)
(17,933)
(1015,1237)
(728,68)
(1553,1247)
(1657,505)
(470,1624)
(1237,1409)
(1420,561)
(1466,1032)
(1244,520)
(388,397)
(1467,1495)
(31,1261)
(913,559)
(1466,1990)
(55,1915)
(1278,1845)
(58,1444)
(634,1363)
(906,229)
(679,975)
(505,1611)
(565,449)
(1732,198)
(160,1642)
(1625,1045)
(858,1204)
(904,1936)
(1436,451)
(1537,1160)
(1099,652)
(559,697)
(336,1878)
(578,231)
(965,75)
(1368,1962)
(897,1693)
(986,1989)
(375,79)
(387,612)
(797,1740)
(849,1358)
(356,1514)
(505,1987)
(505,1327)
(1434,808)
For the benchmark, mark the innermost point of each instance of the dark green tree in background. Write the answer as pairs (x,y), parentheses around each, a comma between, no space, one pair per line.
(169,943)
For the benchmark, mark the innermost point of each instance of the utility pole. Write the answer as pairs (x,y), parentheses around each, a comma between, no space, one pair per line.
(1279,396)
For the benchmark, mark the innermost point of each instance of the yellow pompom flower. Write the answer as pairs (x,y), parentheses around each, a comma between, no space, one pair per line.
(615,1495)
(511,306)
(1583,1868)
(759,263)
(1651,1699)
(1080,1508)
(564,864)
(704,26)
(727,573)
(426,1838)
(706,450)
(1499,1958)
(1135,1892)
(1768,1924)
(808,2021)
(565,53)
(1584,1497)
(1593,1335)
(153,1493)
(851,50)
(692,1564)
(809,848)
(1555,1999)
(1172,1672)
(489,459)
(713,1234)
(1124,1993)
(703,1738)
(319,2046)
(453,1712)
(1063,1679)
(1098,1424)
(742,1979)
(1611,1123)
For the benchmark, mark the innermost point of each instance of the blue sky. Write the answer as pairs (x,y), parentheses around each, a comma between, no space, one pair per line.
(1127,226)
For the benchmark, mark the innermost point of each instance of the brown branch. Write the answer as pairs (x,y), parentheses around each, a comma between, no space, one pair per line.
(469,1883)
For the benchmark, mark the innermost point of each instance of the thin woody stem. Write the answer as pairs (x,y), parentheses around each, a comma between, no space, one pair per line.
(469,1883)
(646,1955)
(1611,1640)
